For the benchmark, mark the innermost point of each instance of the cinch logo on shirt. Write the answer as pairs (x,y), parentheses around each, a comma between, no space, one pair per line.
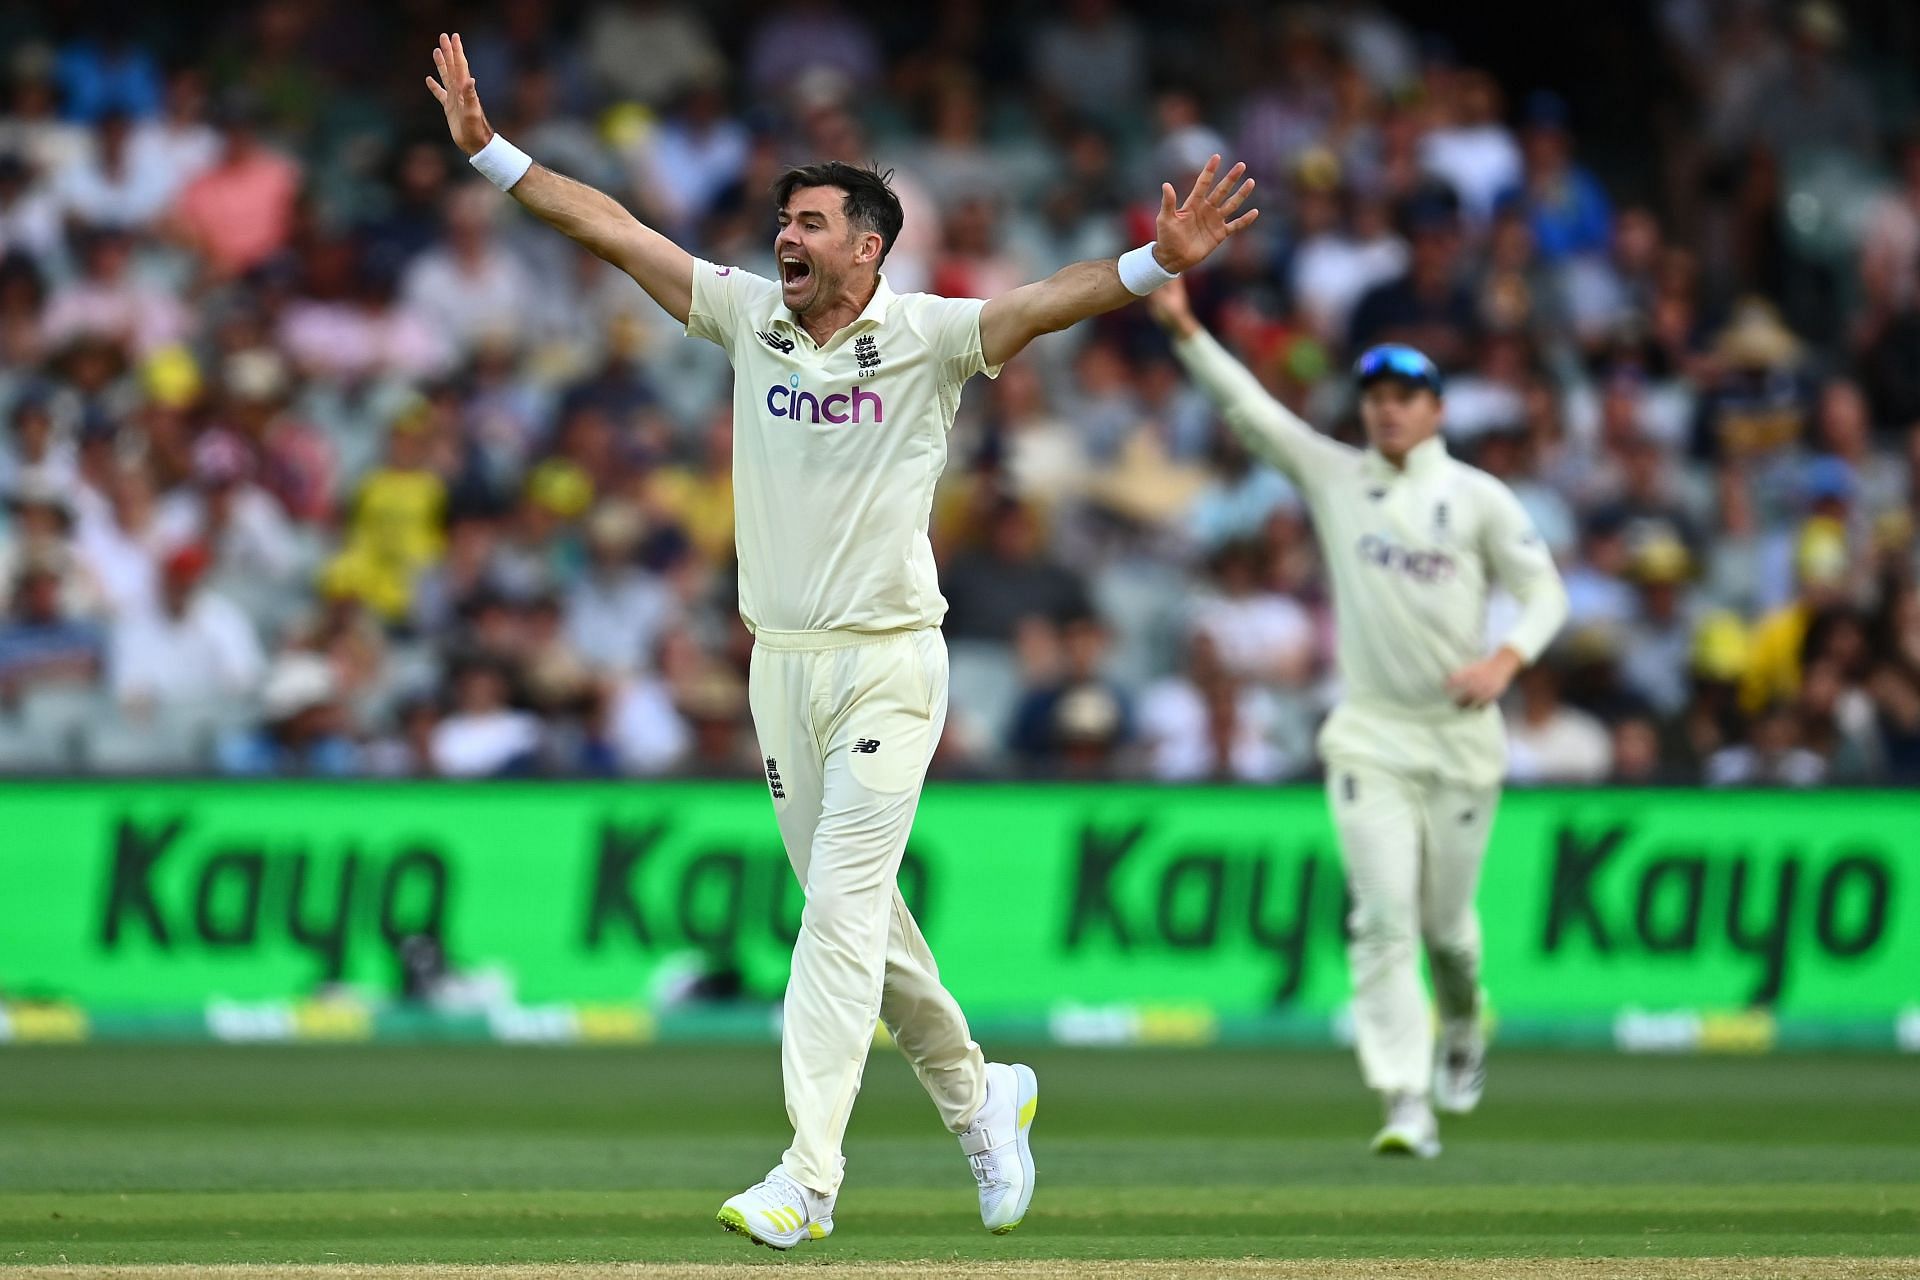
(1421,566)
(787,400)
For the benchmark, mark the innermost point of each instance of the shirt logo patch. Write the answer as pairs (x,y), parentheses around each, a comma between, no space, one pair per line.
(867,352)
(1421,566)
(857,404)
(774,340)
(773,779)
(867,746)
(723,271)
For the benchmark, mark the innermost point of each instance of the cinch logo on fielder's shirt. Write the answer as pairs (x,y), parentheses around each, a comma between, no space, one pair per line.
(787,400)
(1421,566)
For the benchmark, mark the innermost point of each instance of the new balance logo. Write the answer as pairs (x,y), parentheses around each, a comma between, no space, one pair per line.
(783,345)
(867,746)
(773,779)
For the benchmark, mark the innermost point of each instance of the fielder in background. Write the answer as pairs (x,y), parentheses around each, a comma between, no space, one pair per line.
(844,392)
(1415,751)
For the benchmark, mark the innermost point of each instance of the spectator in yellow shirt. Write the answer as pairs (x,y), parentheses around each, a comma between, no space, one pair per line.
(1773,667)
(397,526)
(699,498)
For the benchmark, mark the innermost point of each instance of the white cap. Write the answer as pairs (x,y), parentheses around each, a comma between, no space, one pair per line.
(296,682)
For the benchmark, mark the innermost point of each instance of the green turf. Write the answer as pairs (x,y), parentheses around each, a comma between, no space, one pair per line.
(200,1155)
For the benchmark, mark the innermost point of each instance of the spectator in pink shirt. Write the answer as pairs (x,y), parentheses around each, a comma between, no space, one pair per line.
(297,464)
(107,300)
(239,213)
(346,325)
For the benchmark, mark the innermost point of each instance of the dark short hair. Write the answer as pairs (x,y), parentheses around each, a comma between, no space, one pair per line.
(871,204)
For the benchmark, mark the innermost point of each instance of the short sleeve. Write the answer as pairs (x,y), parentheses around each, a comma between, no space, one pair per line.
(721,296)
(951,327)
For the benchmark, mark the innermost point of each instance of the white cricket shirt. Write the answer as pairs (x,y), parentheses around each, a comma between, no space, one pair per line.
(1412,553)
(836,449)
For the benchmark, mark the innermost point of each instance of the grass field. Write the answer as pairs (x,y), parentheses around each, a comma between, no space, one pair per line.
(400,1162)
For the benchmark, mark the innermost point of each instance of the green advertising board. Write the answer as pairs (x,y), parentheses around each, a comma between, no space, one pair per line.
(1200,905)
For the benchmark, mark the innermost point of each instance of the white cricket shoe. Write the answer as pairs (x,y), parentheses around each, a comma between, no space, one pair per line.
(997,1148)
(778,1212)
(1460,1066)
(1411,1129)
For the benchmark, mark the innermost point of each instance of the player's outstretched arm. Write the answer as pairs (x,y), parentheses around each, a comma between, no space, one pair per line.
(593,219)
(1268,428)
(1184,236)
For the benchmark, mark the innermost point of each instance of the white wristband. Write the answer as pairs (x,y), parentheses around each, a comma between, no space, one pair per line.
(501,163)
(1140,271)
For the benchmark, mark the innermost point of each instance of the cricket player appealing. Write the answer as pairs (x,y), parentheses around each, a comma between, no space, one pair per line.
(843,395)
(1416,749)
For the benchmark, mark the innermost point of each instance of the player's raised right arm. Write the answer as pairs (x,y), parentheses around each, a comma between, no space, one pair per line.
(1268,428)
(591,218)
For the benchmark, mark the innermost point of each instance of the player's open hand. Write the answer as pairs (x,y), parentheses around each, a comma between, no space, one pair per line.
(1184,236)
(458,95)
(1170,309)
(1478,683)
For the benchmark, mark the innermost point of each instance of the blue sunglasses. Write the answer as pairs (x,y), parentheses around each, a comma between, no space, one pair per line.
(1395,361)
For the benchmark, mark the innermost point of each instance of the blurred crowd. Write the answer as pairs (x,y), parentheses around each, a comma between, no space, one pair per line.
(319,457)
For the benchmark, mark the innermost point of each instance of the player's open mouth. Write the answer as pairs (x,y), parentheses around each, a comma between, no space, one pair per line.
(794,272)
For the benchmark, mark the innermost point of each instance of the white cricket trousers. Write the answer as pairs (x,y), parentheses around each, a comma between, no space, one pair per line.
(847,723)
(1412,845)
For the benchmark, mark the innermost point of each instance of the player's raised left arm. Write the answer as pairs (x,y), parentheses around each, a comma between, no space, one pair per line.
(1184,235)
